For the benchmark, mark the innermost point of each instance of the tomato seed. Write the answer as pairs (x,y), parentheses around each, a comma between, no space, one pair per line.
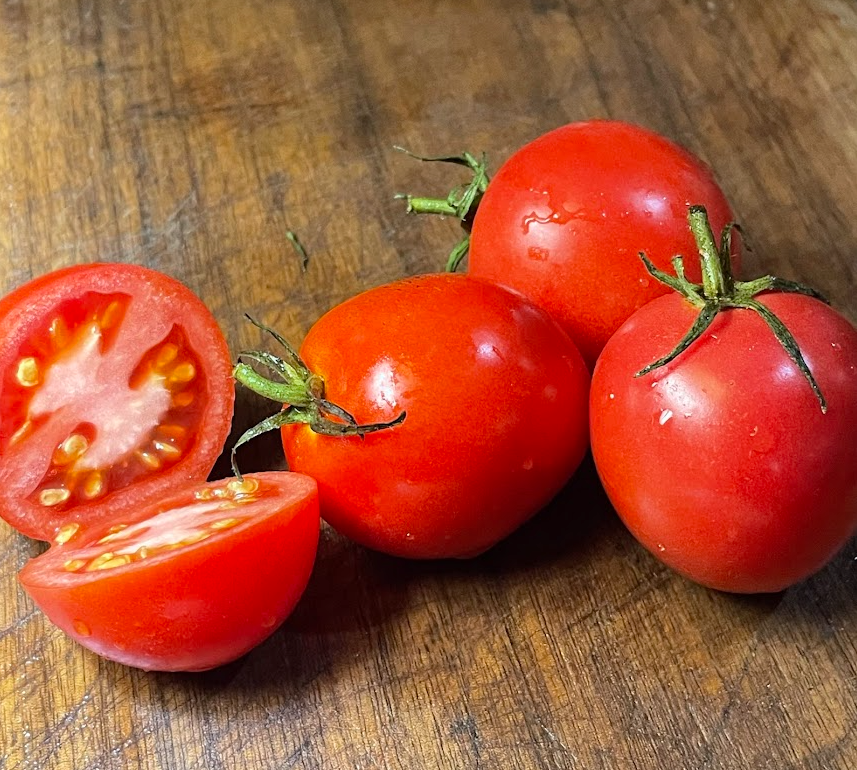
(28,374)
(182,373)
(58,332)
(224,524)
(183,399)
(152,462)
(243,486)
(51,497)
(70,449)
(99,560)
(168,450)
(111,314)
(166,355)
(118,561)
(173,431)
(66,532)
(94,485)
(73,565)
(21,432)
(81,628)
(114,533)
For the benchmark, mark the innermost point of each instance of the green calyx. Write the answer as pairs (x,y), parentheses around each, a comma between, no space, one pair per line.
(461,203)
(719,291)
(302,393)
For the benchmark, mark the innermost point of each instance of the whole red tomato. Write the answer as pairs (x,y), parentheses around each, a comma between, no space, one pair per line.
(565,217)
(115,387)
(495,398)
(188,583)
(722,462)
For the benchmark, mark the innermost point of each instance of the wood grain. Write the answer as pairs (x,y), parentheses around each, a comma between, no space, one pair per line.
(190,136)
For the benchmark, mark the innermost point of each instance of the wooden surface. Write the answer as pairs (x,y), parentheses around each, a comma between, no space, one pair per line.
(189,136)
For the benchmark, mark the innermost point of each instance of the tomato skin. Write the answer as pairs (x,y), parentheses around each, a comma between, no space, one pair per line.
(564,219)
(722,463)
(30,308)
(196,607)
(496,402)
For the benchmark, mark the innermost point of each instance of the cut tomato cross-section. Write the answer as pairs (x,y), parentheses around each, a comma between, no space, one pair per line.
(115,386)
(187,583)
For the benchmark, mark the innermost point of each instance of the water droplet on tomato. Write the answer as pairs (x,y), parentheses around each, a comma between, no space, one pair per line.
(666,416)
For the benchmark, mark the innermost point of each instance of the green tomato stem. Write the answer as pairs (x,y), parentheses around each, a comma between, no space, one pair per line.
(714,283)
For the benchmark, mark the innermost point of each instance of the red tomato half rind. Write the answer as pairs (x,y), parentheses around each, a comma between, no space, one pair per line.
(564,220)
(29,309)
(496,402)
(722,463)
(196,607)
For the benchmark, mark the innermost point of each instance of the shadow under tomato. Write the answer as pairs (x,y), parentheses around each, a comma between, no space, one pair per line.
(565,532)
(354,593)
(825,603)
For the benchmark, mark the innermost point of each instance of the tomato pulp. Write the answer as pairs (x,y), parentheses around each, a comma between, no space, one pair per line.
(495,396)
(115,385)
(565,218)
(188,583)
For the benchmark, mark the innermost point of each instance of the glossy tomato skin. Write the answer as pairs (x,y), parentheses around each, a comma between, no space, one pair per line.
(496,401)
(722,463)
(564,219)
(155,306)
(195,607)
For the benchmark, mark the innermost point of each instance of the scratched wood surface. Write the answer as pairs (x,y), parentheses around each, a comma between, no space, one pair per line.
(189,136)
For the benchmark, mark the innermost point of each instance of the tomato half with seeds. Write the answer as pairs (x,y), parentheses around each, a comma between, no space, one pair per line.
(115,387)
(188,583)
(564,219)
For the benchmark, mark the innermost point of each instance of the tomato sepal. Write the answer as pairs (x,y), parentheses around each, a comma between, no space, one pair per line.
(301,391)
(719,291)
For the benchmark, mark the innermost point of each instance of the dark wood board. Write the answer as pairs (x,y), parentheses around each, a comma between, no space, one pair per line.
(190,136)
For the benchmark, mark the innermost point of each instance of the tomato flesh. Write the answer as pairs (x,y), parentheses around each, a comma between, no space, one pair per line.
(114,378)
(188,583)
(496,401)
(564,220)
(722,463)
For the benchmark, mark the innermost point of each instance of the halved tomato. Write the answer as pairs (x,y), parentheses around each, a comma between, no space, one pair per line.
(188,583)
(115,387)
